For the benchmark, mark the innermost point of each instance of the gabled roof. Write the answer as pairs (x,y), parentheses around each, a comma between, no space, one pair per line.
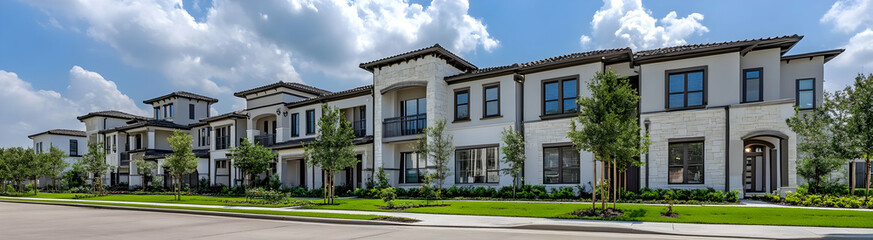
(828,55)
(112,114)
(435,50)
(182,94)
(354,92)
(64,132)
(606,55)
(234,114)
(693,50)
(296,86)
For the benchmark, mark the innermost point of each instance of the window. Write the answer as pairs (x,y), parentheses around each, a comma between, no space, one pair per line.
(559,96)
(685,163)
(310,122)
(222,138)
(295,122)
(138,139)
(686,88)
(114,143)
(74,147)
(806,93)
(491,101)
(753,85)
(560,165)
(462,105)
(477,165)
(170,106)
(157,113)
(414,166)
(191,111)
(38,147)
(204,137)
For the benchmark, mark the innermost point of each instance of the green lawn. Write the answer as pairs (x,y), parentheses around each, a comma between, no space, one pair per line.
(268,212)
(634,212)
(201,200)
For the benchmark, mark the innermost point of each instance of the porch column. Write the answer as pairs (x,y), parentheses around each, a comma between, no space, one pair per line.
(280,168)
(232,135)
(151,138)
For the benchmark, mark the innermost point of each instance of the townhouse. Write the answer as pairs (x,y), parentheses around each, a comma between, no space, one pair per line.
(715,113)
(71,142)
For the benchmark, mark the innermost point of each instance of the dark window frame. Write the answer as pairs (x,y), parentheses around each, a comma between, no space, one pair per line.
(686,142)
(760,71)
(685,92)
(456,105)
(485,165)
(157,113)
(797,93)
(310,122)
(74,147)
(560,167)
(420,169)
(191,111)
(295,124)
(560,81)
(485,100)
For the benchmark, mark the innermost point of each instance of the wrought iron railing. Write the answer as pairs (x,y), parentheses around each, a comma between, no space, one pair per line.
(405,125)
(222,142)
(360,128)
(266,139)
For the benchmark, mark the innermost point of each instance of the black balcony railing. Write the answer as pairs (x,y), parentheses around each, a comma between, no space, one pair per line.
(405,125)
(222,142)
(266,139)
(360,128)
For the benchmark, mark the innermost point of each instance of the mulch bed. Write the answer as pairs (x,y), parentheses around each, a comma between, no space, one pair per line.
(404,207)
(609,213)
(396,219)
(671,215)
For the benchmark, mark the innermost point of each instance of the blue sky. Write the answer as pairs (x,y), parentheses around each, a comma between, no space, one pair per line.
(68,58)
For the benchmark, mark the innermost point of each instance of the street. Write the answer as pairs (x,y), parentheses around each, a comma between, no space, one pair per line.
(34,221)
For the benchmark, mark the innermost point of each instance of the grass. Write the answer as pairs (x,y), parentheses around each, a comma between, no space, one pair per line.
(633,212)
(267,212)
(200,200)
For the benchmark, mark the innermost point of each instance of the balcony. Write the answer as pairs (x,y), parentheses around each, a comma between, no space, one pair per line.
(360,128)
(266,140)
(222,142)
(404,126)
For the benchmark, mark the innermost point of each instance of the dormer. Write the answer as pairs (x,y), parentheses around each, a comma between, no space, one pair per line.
(181,107)
(280,92)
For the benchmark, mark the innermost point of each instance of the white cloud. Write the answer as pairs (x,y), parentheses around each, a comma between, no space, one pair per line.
(626,23)
(240,44)
(28,110)
(848,17)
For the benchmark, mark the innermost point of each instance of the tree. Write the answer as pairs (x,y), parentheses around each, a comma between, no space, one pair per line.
(820,146)
(333,149)
(856,128)
(52,164)
(437,144)
(94,162)
(145,169)
(4,170)
(182,161)
(513,155)
(251,159)
(608,126)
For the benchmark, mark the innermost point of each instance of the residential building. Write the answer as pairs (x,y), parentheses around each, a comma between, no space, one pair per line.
(72,142)
(715,113)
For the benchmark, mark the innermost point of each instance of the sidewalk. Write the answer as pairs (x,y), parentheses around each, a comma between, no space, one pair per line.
(467,221)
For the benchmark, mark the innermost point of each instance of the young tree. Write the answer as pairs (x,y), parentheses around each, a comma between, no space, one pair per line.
(608,125)
(53,164)
(513,155)
(251,159)
(145,169)
(856,129)
(437,144)
(182,161)
(819,147)
(332,150)
(94,162)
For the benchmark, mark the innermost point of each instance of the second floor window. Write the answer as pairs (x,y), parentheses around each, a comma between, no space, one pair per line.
(559,96)
(169,108)
(157,113)
(462,105)
(806,93)
(310,121)
(685,88)
(753,85)
(222,138)
(138,141)
(190,111)
(74,147)
(491,101)
(295,123)
(685,163)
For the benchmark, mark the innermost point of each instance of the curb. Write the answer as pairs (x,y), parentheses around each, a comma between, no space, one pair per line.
(545,227)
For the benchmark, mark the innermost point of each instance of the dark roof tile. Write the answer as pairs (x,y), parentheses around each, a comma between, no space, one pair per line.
(113,114)
(441,52)
(65,132)
(296,86)
(182,94)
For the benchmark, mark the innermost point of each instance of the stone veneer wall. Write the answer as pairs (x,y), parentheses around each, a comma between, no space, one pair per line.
(538,133)
(706,123)
(755,117)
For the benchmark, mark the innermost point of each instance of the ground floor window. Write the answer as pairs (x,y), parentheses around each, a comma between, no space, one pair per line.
(477,165)
(560,165)
(685,163)
(413,167)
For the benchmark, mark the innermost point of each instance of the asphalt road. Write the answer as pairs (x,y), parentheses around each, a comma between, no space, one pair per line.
(34,221)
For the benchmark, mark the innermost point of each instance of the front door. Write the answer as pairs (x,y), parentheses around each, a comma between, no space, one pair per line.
(754,172)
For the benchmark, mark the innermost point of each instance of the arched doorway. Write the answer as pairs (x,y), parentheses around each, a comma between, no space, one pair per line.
(765,165)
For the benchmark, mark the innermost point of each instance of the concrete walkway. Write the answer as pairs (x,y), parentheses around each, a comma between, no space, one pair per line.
(467,221)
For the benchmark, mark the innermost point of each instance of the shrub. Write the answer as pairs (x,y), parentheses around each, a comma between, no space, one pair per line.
(628,195)
(683,194)
(732,196)
(563,193)
(650,195)
(266,195)
(716,196)
(388,195)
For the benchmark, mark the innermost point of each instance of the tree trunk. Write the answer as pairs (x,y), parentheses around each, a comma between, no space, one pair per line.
(614,183)
(867,171)
(594,185)
(603,189)
(852,178)
(35,188)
